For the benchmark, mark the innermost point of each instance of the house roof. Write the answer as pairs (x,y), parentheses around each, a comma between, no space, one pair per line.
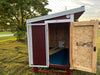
(77,13)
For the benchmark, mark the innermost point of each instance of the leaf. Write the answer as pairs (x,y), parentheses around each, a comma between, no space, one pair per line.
(16,12)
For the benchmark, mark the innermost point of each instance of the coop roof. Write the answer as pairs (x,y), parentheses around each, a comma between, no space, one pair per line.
(77,13)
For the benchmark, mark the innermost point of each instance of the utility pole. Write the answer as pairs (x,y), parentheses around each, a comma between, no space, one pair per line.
(65,7)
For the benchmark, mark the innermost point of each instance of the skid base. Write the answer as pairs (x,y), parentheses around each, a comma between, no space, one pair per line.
(68,71)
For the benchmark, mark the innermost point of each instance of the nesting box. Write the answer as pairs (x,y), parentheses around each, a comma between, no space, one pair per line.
(57,39)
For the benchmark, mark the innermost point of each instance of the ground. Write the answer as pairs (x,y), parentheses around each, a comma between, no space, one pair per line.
(7,38)
(14,59)
(2,33)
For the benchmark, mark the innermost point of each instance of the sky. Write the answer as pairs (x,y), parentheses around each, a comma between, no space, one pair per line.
(92,7)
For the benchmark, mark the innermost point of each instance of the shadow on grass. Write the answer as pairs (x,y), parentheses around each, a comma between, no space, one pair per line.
(24,41)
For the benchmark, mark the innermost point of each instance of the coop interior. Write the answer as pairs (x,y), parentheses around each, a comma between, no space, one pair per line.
(59,36)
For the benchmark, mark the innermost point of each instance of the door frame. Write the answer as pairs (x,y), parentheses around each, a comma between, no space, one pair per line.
(60,21)
(30,45)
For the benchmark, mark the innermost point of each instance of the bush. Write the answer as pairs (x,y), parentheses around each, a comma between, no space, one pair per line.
(20,35)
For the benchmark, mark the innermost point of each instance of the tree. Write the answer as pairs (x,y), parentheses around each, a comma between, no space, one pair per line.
(16,12)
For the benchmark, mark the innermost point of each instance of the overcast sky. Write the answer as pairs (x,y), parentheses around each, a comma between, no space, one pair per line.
(92,7)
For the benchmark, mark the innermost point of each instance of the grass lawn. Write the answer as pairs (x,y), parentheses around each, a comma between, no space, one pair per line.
(14,59)
(99,44)
(2,33)
(99,37)
(98,58)
(7,38)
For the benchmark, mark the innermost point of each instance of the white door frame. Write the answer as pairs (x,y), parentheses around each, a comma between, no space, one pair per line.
(47,22)
(30,44)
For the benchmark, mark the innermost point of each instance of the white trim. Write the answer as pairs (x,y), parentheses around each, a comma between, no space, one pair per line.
(29,37)
(47,44)
(37,66)
(36,24)
(72,18)
(59,21)
(68,12)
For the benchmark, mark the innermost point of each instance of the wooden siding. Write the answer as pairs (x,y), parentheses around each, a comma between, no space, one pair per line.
(55,18)
(39,47)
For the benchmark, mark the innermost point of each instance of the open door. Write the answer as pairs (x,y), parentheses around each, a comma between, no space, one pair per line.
(38,45)
(83,54)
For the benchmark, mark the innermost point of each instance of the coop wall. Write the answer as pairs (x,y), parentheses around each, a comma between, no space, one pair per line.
(59,32)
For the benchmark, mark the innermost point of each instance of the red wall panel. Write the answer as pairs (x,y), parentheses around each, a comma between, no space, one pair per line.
(39,47)
(55,18)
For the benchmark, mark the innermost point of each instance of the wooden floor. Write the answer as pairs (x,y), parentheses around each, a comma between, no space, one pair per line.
(54,50)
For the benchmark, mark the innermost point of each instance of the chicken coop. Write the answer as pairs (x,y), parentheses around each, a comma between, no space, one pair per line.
(57,41)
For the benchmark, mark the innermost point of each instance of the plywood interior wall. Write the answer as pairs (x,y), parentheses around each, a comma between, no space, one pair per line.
(59,32)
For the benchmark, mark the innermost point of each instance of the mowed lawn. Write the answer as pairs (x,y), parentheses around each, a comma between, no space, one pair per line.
(98,58)
(5,38)
(99,48)
(2,33)
(14,59)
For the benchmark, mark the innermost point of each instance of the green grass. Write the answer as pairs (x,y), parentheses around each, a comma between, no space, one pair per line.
(99,48)
(99,37)
(6,38)
(98,58)
(2,33)
(99,43)
(14,59)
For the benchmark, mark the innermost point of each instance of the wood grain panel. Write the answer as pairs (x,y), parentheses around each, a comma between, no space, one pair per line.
(59,32)
(83,41)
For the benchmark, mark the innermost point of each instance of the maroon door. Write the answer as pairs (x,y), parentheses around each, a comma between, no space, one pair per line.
(39,45)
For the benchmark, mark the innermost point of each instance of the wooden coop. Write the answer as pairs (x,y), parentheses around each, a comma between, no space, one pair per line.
(57,41)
